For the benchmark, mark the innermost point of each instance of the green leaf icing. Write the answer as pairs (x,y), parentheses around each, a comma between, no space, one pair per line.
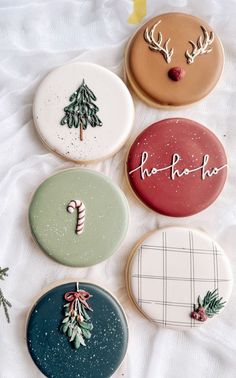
(82,111)
(207,307)
(76,324)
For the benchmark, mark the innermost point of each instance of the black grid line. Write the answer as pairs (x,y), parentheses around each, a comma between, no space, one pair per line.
(163,293)
(188,279)
(194,293)
(181,250)
(141,255)
(191,273)
(165,299)
(214,264)
(217,271)
(172,322)
(168,303)
(139,271)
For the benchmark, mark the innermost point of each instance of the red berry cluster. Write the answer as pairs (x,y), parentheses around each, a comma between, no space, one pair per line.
(199,314)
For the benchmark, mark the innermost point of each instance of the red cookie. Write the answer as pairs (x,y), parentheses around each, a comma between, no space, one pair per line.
(177,167)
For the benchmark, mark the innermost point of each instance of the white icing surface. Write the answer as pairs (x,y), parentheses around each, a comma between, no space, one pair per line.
(201,46)
(144,172)
(116,112)
(155,45)
(171,268)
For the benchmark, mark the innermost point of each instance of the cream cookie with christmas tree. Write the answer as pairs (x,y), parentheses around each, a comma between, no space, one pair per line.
(173,60)
(179,277)
(83,112)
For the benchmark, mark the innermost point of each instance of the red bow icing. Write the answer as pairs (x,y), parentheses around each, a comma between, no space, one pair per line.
(82,295)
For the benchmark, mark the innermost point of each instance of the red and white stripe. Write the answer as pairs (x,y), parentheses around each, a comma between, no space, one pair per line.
(79,205)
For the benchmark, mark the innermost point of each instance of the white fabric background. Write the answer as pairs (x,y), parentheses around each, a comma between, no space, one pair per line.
(35,37)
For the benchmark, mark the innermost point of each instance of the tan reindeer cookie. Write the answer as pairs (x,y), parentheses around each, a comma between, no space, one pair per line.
(173,60)
(83,112)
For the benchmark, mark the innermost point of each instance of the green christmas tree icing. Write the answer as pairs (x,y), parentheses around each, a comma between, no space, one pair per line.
(81,111)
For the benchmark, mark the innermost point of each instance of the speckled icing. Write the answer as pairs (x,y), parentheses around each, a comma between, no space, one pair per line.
(174,40)
(116,110)
(53,227)
(177,167)
(169,270)
(56,357)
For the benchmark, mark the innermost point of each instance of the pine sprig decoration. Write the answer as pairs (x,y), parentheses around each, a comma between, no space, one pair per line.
(77,323)
(5,304)
(212,303)
(3,301)
(3,273)
(207,307)
(82,111)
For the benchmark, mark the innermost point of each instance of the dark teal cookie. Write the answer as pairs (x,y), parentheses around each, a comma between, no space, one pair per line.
(52,350)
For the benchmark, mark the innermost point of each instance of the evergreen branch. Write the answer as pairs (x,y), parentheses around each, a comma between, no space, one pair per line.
(3,273)
(209,306)
(214,305)
(5,303)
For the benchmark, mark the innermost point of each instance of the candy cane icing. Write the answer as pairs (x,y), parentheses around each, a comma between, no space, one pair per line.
(79,205)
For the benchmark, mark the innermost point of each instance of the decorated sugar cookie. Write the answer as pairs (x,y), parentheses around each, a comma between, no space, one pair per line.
(174,60)
(78,217)
(77,329)
(179,277)
(83,112)
(177,167)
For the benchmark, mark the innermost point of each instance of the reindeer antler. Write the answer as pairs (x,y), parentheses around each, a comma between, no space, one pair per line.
(155,45)
(201,47)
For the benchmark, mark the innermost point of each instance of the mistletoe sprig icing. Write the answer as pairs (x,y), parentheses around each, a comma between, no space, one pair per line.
(77,323)
(82,110)
(207,307)
(3,301)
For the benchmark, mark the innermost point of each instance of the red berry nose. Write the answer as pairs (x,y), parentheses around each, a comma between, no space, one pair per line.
(176,73)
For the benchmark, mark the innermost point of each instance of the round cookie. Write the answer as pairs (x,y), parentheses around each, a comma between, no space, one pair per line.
(77,330)
(78,217)
(177,167)
(179,277)
(83,112)
(173,60)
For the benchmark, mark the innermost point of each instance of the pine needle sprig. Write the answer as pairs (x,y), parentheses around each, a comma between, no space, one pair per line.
(212,303)
(5,303)
(207,307)
(3,273)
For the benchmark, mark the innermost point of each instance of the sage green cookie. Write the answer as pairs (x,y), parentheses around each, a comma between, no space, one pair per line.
(79,217)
